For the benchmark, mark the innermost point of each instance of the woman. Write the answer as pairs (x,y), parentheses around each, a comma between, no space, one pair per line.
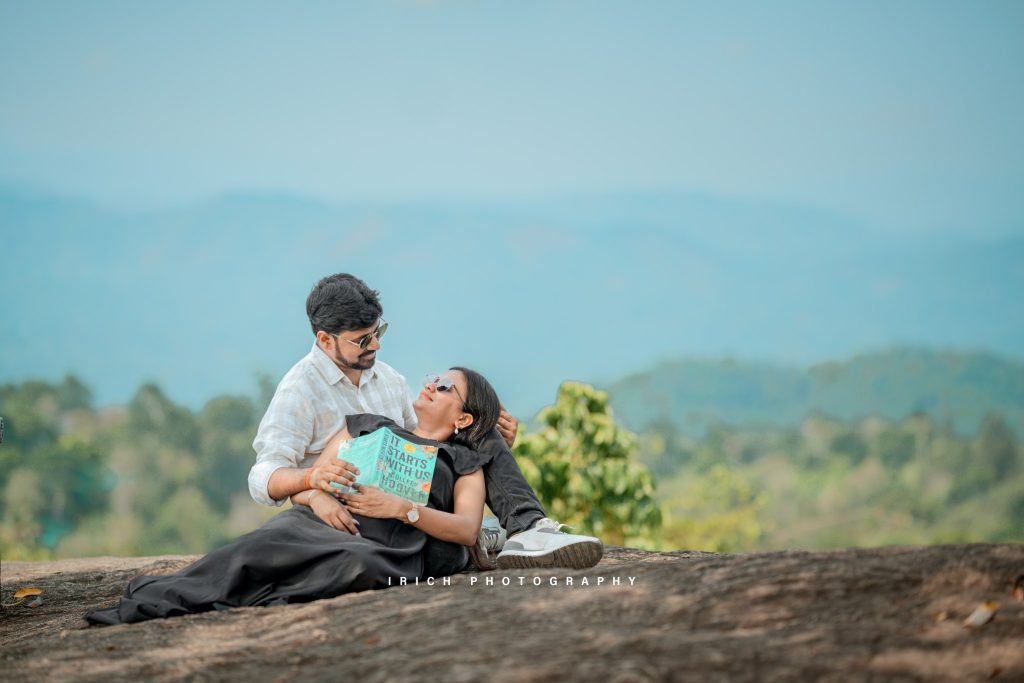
(306,554)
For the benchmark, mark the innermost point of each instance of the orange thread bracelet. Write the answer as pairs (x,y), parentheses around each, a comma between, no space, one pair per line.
(305,480)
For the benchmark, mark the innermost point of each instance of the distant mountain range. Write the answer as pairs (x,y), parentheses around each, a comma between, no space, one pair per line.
(200,298)
(956,387)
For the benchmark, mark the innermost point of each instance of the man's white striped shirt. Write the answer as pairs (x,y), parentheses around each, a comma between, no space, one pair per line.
(310,406)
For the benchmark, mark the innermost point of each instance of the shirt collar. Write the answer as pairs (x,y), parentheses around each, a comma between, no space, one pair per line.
(332,373)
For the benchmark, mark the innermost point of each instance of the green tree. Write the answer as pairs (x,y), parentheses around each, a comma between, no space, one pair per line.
(717,510)
(226,428)
(895,447)
(583,468)
(51,477)
(997,447)
(24,510)
(993,458)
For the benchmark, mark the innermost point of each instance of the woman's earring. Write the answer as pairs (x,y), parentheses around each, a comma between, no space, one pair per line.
(456,429)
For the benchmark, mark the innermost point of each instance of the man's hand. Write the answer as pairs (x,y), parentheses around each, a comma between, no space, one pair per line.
(507,427)
(333,512)
(373,502)
(340,472)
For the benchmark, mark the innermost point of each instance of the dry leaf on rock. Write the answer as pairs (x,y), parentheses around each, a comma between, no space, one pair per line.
(982,614)
(25,592)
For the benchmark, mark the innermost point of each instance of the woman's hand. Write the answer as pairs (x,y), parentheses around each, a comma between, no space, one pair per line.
(373,502)
(333,512)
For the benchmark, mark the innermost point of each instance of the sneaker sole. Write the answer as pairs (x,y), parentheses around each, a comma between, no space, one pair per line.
(583,555)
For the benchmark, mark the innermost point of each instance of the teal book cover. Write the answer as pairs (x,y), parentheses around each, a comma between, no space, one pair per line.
(391,463)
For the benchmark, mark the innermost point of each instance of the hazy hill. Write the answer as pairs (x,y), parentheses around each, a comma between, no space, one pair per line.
(199,298)
(956,386)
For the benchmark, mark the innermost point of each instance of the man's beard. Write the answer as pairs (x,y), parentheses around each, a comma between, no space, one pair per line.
(364,362)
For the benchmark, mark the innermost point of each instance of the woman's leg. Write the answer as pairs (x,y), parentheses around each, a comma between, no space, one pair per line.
(294,557)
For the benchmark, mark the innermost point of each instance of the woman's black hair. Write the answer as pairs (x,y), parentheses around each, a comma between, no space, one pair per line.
(483,404)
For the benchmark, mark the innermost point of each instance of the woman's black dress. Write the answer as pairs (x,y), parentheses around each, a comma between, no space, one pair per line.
(296,557)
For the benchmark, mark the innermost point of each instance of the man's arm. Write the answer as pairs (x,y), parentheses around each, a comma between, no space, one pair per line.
(409,420)
(508,427)
(328,468)
(284,481)
(284,434)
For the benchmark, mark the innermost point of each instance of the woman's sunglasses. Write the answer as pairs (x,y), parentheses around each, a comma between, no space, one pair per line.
(443,384)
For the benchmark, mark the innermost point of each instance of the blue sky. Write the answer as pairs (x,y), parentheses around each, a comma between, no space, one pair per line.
(905,115)
(784,181)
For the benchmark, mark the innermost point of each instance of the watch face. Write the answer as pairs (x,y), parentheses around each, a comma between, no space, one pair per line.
(413,515)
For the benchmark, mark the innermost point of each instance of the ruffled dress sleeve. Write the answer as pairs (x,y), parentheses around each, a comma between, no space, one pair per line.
(365,423)
(464,460)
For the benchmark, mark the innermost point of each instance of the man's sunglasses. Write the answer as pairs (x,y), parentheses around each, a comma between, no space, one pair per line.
(443,384)
(365,340)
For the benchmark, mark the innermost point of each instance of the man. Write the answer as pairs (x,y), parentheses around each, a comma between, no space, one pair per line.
(341,376)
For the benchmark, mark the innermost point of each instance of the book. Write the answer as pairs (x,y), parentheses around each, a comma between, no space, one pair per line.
(391,463)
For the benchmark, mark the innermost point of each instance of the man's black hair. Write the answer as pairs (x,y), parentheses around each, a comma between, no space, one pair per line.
(483,404)
(342,303)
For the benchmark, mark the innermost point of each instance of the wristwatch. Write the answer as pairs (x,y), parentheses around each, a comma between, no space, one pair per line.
(413,514)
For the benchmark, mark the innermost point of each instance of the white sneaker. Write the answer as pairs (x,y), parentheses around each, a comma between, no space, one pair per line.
(489,541)
(545,546)
(492,537)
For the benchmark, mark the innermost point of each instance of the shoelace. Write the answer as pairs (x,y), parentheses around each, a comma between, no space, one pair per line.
(490,538)
(546,523)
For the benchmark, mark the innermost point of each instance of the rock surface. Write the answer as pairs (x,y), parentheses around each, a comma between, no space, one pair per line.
(887,614)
